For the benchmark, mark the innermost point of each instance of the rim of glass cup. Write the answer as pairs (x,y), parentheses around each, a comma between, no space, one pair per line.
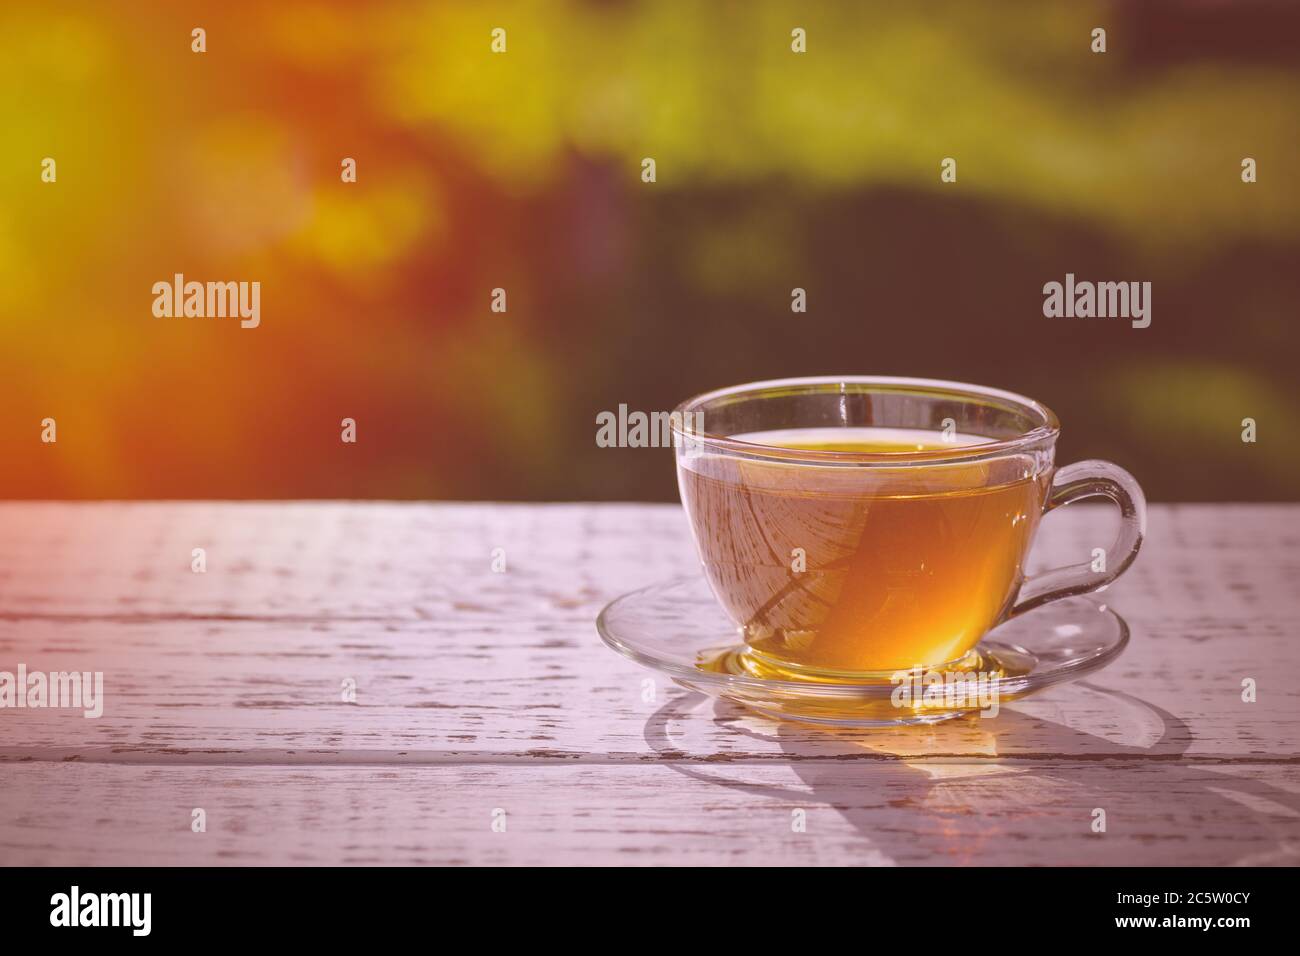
(1047,429)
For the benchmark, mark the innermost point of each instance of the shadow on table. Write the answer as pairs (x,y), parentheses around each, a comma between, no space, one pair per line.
(961,792)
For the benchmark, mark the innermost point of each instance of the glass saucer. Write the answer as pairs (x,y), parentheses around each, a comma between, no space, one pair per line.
(677,628)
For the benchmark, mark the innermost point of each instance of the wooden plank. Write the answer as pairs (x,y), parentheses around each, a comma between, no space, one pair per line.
(333,561)
(286,706)
(1157,813)
(307,562)
(454,662)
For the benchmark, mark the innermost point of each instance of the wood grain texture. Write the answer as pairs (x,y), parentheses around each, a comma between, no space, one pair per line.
(472,684)
(886,813)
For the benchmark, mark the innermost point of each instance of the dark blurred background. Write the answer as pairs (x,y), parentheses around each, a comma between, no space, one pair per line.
(522,170)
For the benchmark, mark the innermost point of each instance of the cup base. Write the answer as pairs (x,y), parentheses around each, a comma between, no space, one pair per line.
(747,660)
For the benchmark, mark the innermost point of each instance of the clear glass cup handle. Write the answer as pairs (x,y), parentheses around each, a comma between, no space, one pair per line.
(1089,479)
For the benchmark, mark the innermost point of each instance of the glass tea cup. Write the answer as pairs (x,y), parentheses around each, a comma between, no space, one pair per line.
(853,527)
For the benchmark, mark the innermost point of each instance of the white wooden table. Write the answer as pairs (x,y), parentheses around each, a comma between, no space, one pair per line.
(481,693)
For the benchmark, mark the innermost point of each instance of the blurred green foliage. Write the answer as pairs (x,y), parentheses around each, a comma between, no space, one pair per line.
(521,171)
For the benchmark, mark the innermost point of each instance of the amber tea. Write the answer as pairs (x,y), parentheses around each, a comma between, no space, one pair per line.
(840,570)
